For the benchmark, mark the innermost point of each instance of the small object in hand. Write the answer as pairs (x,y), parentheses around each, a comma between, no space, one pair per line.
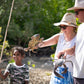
(61,57)
(58,63)
(33,43)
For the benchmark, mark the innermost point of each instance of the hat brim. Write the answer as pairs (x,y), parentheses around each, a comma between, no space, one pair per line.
(60,23)
(74,8)
(63,23)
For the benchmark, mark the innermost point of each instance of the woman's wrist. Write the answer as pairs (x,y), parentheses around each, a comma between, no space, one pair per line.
(40,45)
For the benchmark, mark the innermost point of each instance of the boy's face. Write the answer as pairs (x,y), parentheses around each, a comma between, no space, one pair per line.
(17,56)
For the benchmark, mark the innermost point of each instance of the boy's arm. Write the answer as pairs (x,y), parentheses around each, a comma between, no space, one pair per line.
(4,76)
(26,82)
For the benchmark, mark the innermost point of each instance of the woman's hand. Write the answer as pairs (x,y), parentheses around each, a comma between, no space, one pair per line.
(69,51)
(62,53)
(40,45)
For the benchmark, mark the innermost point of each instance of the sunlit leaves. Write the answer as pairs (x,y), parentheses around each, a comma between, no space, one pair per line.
(33,65)
(11,61)
(6,44)
(30,64)
(52,57)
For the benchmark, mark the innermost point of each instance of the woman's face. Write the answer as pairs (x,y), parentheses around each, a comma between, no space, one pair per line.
(67,29)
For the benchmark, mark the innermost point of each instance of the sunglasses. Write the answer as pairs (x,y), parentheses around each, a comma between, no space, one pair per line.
(77,12)
(63,27)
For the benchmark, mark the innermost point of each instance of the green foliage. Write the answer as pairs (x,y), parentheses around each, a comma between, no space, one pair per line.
(77,21)
(30,64)
(5,44)
(32,16)
(11,61)
(48,74)
(52,57)
(1,35)
(33,65)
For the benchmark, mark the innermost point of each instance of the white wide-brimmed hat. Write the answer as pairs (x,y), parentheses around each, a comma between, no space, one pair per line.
(79,4)
(68,19)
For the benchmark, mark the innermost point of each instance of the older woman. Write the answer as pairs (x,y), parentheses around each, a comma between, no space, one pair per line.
(65,39)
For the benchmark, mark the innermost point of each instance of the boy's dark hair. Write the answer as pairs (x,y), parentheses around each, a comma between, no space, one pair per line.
(19,49)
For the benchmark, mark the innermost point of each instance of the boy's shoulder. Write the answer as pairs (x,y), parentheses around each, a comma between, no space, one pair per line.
(26,66)
(11,64)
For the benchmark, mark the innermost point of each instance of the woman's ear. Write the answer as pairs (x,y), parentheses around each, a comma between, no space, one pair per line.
(23,56)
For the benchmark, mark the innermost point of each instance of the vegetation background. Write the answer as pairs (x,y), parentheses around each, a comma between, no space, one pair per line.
(30,17)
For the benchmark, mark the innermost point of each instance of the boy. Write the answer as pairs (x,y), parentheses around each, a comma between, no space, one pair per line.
(17,71)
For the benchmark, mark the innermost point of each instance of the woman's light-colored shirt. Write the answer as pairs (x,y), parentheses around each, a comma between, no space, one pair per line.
(63,44)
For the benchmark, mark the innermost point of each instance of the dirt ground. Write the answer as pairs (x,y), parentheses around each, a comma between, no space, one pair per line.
(41,74)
